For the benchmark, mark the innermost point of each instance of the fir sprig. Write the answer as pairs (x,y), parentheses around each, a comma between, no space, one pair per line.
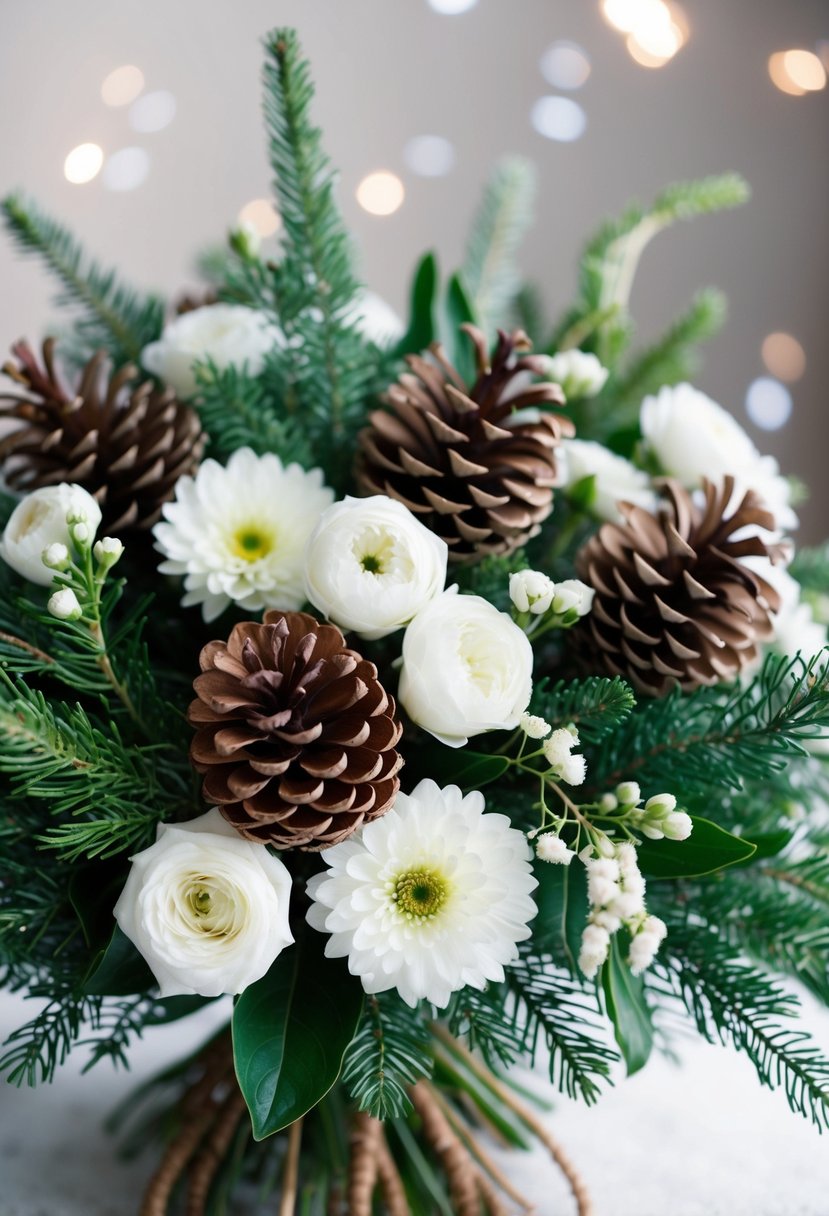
(111,315)
(391,1050)
(490,272)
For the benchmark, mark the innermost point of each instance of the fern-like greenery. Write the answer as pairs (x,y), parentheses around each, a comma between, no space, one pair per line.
(109,315)
(595,705)
(490,272)
(391,1050)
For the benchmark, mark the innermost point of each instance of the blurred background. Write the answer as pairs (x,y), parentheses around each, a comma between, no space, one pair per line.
(137,124)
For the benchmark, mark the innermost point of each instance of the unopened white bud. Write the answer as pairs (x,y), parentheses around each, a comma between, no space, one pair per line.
(531,591)
(56,556)
(574,770)
(628,793)
(108,550)
(664,803)
(572,594)
(79,532)
(608,802)
(678,826)
(64,605)
(595,945)
(558,747)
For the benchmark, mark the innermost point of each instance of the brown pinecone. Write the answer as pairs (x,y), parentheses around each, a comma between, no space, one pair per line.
(454,455)
(124,440)
(674,604)
(295,734)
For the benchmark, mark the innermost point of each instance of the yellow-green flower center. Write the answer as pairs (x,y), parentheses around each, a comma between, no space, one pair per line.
(211,908)
(251,542)
(420,894)
(374,549)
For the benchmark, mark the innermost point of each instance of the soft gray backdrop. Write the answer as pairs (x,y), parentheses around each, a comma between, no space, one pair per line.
(696,1142)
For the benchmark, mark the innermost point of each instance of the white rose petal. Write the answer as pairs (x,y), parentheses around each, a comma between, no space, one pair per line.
(616,479)
(227,334)
(207,909)
(467,668)
(371,565)
(38,522)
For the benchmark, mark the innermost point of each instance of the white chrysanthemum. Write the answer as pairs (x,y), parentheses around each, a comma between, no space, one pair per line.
(238,534)
(429,899)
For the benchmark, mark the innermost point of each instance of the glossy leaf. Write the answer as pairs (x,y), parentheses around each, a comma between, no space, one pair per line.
(119,970)
(422,322)
(709,848)
(459,311)
(627,1008)
(469,770)
(561,897)
(290,1033)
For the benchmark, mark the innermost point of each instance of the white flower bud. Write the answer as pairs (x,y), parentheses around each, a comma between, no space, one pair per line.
(606,919)
(558,746)
(579,373)
(678,826)
(626,859)
(531,591)
(550,847)
(645,944)
(660,804)
(533,726)
(41,520)
(65,605)
(608,802)
(107,551)
(79,531)
(627,904)
(651,831)
(56,556)
(595,945)
(571,594)
(629,793)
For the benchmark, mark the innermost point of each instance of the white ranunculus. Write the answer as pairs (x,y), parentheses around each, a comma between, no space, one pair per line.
(207,909)
(693,437)
(371,565)
(579,373)
(38,522)
(795,628)
(467,668)
(616,479)
(227,334)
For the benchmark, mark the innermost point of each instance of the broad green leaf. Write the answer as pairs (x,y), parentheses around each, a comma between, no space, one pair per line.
(561,897)
(768,844)
(290,1032)
(459,311)
(119,970)
(627,1008)
(709,848)
(422,323)
(469,770)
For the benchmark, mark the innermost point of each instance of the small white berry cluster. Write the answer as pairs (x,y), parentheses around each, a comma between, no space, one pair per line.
(557,748)
(657,819)
(616,892)
(534,595)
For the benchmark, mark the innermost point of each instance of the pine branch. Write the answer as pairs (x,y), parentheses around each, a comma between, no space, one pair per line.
(673,357)
(113,317)
(731,1001)
(390,1052)
(489,272)
(596,705)
(550,1005)
(238,411)
(37,1049)
(719,739)
(314,284)
(479,1018)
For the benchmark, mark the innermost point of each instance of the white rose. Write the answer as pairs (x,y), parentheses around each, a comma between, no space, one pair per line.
(371,565)
(207,909)
(228,334)
(616,479)
(467,668)
(579,373)
(39,522)
(693,437)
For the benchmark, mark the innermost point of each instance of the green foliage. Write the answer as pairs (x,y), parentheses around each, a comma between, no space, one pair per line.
(627,1008)
(811,569)
(550,1005)
(290,1033)
(328,365)
(709,848)
(599,320)
(596,705)
(714,739)
(732,1002)
(423,321)
(110,315)
(490,272)
(241,411)
(391,1050)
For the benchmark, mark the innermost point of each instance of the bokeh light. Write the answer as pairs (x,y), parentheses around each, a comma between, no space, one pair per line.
(83,163)
(559,118)
(797,72)
(122,85)
(152,112)
(451,7)
(565,65)
(429,155)
(768,403)
(784,357)
(261,215)
(656,29)
(381,193)
(126,169)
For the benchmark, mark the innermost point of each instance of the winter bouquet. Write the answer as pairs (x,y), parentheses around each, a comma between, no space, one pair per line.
(450,699)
